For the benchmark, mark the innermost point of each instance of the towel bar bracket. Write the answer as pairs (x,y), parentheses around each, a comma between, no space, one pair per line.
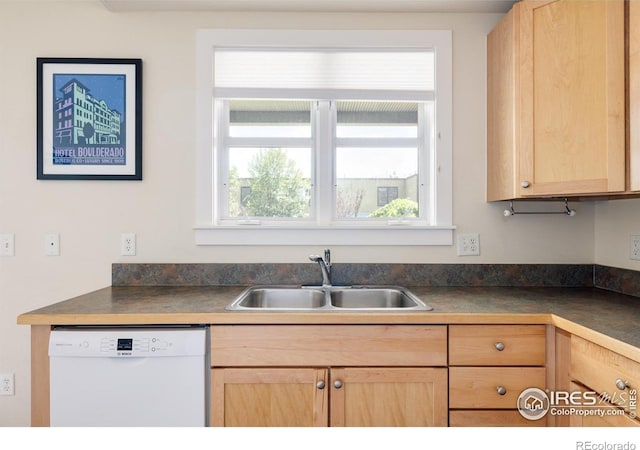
(567,211)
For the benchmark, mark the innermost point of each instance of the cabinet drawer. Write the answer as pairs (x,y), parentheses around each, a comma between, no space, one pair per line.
(604,415)
(328,345)
(605,420)
(477,387)
(601,369)
(492,418)
(497,345)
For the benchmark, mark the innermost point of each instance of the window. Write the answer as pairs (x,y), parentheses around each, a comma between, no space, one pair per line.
(340,138)
(265,159)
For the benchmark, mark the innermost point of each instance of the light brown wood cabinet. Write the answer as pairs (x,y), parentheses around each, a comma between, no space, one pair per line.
(337,397)
(608,417)
(556,100)
(390,375)
(489,366)
(325,375)
(633,98)
(612,377)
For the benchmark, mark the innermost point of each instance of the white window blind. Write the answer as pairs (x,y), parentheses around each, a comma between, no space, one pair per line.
(323,70)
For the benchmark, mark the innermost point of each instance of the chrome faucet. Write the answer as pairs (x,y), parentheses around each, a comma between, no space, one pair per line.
(325,266)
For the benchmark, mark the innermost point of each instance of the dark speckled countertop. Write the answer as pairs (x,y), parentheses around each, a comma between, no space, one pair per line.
(605,317)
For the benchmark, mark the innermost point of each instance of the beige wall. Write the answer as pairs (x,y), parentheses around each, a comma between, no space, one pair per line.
(90,216)
(615,222)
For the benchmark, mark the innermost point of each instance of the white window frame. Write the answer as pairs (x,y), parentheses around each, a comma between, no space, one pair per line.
(209,231)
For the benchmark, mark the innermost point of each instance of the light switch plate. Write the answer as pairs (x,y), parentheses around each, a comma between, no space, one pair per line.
(52,245)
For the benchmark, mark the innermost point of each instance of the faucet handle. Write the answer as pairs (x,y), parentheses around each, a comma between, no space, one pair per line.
(327,257)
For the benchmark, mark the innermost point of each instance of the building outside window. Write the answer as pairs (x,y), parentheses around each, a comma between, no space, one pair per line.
(387,194)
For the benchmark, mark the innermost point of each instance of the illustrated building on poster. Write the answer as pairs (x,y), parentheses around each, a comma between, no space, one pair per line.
(81,119)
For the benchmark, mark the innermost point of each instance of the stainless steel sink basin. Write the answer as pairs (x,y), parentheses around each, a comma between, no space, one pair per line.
(327,299)
(269,297)
(375,298)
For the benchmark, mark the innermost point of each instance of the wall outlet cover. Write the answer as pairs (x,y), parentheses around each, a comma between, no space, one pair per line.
(128,244)
(7,245)
(634,247)
(469,244)
(7,384)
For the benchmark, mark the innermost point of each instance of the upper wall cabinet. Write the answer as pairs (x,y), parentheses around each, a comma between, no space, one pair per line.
(556,100)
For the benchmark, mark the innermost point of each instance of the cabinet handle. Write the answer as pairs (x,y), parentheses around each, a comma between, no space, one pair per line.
(501,390)
(621,384)
(320,384)
(499,346)
(525,184)
(337,384)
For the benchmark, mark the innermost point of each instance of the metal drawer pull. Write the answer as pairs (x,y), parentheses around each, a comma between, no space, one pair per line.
(622,385)
(499,346)
(501,390)
(320,384)
(337,384)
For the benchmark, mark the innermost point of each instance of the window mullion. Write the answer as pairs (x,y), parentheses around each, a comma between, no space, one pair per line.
(222,159)
(426,197)
(378,142)
(324,155)
(265,142)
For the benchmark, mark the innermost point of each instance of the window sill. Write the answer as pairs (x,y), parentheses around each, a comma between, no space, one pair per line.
(262,235)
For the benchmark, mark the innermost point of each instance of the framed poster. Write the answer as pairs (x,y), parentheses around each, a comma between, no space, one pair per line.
(89,124)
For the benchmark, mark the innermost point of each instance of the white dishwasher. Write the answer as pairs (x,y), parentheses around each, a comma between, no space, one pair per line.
(126,376)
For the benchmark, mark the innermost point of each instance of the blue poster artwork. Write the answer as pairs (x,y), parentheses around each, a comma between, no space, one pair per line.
(89,126)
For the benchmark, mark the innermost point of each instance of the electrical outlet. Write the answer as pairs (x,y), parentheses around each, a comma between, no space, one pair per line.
(52,244)
(634,247)
(128,244)
(6,384)
(7,245)
(469,244)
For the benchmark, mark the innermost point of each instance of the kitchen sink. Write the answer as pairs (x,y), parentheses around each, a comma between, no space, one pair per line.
(327,299)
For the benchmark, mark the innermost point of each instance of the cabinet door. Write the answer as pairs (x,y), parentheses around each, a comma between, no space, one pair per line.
(389,397)
(604,371)
(269,397)
(572,97)
(634,95)
(603,415)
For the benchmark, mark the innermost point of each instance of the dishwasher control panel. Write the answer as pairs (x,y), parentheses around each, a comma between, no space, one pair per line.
(124,343)
(129,346)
